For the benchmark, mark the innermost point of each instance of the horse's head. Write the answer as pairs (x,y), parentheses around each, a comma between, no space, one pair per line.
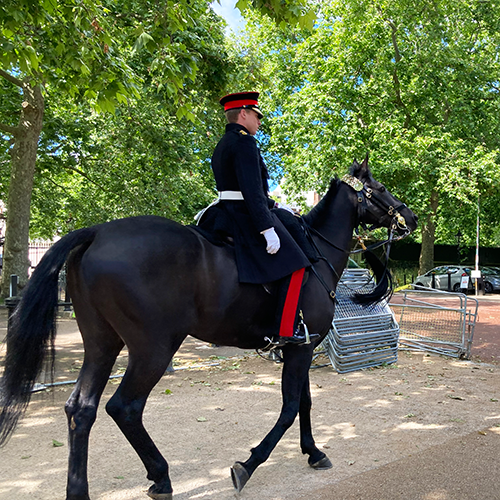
(376,205)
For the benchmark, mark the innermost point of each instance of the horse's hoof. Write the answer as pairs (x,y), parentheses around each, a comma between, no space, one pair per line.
(153,493)
(239,475)
(322,464)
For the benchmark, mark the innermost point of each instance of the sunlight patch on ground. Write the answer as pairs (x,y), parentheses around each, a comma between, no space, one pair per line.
(125,494)
(435,389)
(437,495)
(261,388)
(347,430)
(379,403)
(34,422)
(493,417)
(465,364)
(210,478)
(21,486)
(415,426)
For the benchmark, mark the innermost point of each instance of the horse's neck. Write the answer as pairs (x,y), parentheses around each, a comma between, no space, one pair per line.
(338,228)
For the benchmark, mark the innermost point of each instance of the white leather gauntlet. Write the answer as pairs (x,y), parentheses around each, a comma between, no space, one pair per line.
(272,239)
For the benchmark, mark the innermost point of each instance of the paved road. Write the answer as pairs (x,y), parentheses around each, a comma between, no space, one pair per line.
(486,344)
(465,468)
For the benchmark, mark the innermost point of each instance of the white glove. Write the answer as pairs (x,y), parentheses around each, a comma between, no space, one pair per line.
(272,239)
(285,207)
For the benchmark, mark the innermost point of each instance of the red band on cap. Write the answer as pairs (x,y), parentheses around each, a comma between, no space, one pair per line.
(240,104)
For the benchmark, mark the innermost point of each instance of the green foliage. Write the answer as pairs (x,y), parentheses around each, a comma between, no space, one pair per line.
(414,84)
(283,12)
(96,52)
(151,64)
(140,161)
(157,68)
(69,45)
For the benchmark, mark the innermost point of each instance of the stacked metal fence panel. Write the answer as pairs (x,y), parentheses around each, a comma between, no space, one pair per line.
(361,336)
(436,321)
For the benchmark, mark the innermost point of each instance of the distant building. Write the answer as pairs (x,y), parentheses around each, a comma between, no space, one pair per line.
(312,198)
(36,249)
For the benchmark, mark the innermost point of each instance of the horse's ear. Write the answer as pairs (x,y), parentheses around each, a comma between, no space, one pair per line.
(365,161)
(355,168)
(363,170)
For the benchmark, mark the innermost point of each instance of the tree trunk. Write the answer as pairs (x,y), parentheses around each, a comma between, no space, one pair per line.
(426,261)
(23,160)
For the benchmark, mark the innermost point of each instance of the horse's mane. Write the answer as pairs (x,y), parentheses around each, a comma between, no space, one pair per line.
(320,211)
(384,283)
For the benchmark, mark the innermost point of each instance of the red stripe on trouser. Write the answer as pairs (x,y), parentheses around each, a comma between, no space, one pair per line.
(291,302)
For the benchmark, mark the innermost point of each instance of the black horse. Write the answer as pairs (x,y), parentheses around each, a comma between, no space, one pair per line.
(148,283)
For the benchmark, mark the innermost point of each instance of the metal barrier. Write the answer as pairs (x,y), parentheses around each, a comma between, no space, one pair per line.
(435,321)
(361,336)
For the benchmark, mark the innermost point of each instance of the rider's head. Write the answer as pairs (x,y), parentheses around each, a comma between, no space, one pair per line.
(243,108)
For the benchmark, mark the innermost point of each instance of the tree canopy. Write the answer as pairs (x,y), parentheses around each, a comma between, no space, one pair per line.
(414,84)
(111,109)
(60,62)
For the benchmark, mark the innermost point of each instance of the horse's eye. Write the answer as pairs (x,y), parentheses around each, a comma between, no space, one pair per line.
(382,189)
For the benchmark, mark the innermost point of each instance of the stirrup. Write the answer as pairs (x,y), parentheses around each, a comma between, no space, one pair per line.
(271,344)
(311,337)
(307,335)
(299,340)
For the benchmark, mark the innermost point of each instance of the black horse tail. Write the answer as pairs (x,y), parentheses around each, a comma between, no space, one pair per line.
(384,288)
(32,330)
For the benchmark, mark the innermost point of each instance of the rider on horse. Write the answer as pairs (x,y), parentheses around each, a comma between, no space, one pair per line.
(265,250)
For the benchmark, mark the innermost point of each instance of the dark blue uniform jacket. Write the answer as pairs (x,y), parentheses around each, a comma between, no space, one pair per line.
(238,166)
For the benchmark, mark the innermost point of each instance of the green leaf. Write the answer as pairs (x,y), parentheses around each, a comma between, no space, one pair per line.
(242,5)
(181,112)
(142,41)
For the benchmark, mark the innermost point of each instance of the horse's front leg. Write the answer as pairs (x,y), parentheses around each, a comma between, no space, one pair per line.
(317,459)
(296,364)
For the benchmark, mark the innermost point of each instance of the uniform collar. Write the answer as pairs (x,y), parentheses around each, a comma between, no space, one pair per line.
(236,126)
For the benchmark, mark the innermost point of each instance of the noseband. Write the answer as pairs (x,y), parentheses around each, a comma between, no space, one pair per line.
(369,199)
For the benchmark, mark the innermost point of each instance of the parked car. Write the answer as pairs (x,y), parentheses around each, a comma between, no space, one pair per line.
(441,274)
(491,278)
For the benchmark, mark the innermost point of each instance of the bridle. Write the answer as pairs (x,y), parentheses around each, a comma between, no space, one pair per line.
(365,195)
(367,200)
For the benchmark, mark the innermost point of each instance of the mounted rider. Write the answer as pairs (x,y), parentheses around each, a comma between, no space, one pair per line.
(265,250)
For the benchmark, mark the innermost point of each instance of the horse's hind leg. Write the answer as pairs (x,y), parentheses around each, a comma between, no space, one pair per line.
(102,346)
(126,407)
(317,459)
